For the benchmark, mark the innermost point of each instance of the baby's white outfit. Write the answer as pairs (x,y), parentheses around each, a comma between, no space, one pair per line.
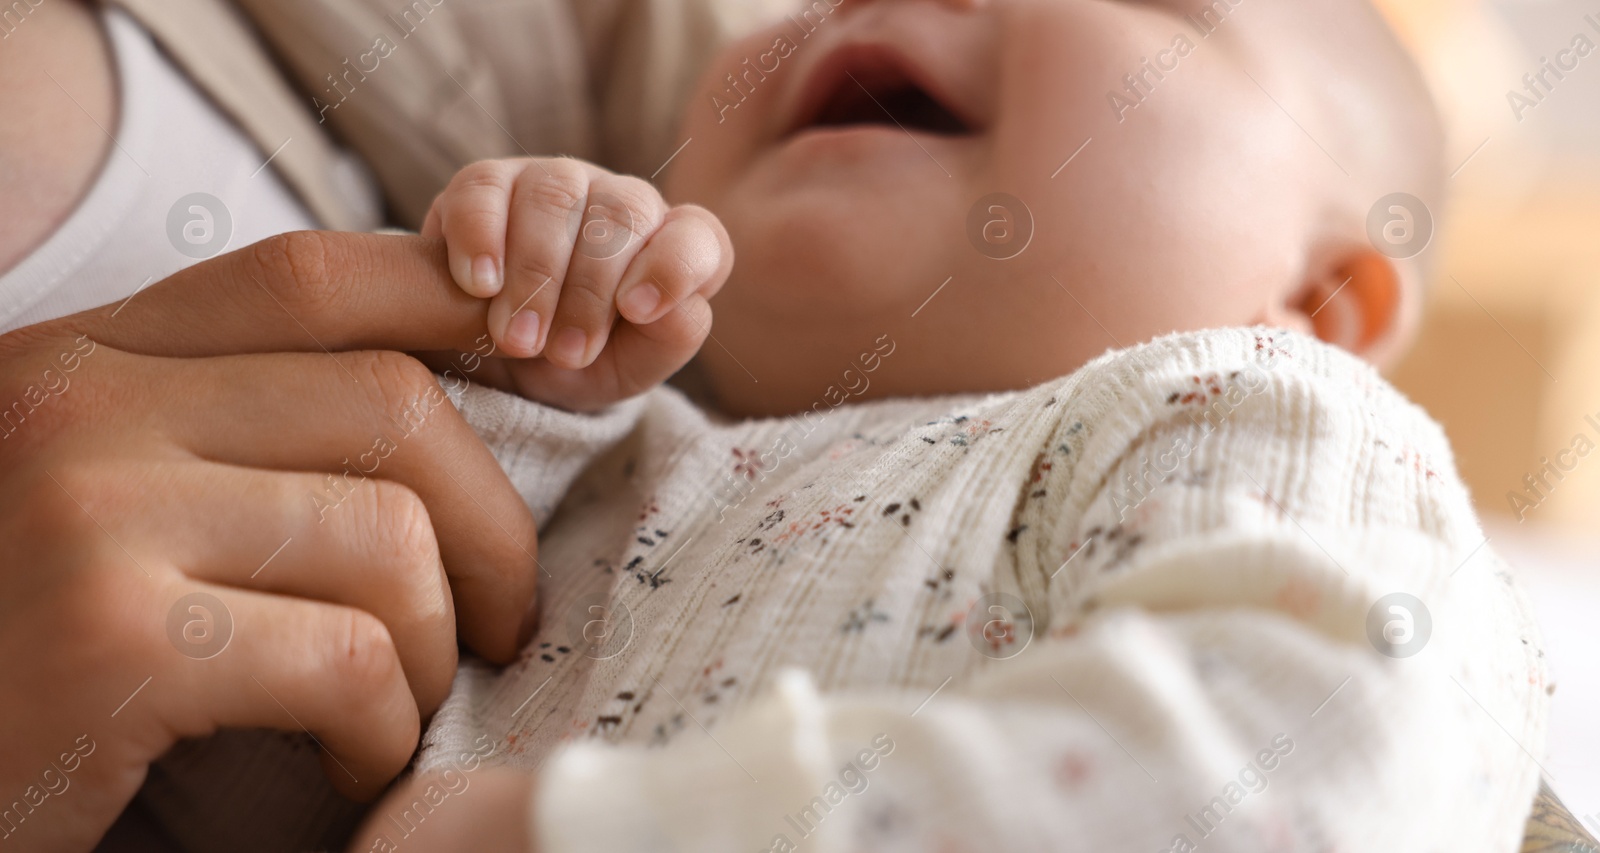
(1221,591)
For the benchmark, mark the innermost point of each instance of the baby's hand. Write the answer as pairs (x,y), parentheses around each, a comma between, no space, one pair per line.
(563,247)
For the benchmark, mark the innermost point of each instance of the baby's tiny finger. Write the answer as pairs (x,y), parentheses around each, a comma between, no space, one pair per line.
(472,215)
(618,211)
(689,254)
(540,236)
(646,355)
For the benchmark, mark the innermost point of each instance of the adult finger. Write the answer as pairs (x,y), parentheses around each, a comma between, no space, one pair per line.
(293,665)
(305,291)
(378,416)
(367,544)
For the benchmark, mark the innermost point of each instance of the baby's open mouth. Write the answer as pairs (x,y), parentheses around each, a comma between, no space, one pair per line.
(874,85)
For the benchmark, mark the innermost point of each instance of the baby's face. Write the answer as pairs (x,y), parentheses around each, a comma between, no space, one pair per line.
(957,175)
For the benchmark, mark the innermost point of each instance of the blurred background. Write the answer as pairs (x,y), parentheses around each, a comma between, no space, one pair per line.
(1509,355)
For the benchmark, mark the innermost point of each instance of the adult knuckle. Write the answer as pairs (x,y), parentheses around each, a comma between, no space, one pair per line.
(404,528)
(397,383)
(362,654)
(425,595)
(294,267)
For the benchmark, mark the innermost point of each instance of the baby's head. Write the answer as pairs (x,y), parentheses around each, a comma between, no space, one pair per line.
(1184,164)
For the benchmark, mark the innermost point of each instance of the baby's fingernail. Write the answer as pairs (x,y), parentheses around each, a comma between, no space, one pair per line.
(640,301)
(485,275)
(568,345)
(522,333)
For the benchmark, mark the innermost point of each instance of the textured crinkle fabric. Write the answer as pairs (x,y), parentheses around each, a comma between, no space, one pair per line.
(1221,591)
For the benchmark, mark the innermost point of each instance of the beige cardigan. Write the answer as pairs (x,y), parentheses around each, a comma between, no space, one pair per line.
(420,89)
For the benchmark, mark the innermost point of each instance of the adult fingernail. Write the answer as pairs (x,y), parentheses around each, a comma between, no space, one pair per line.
(522,333)
(485,275)
(568,345)
(641,301)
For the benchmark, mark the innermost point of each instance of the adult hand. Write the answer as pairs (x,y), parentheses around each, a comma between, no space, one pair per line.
(228,502)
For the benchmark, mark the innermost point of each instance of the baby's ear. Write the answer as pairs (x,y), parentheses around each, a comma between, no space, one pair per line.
(1355,300)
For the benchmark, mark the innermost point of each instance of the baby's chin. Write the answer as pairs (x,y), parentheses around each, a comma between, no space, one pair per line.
(896,378)
(848,358)
(820,270)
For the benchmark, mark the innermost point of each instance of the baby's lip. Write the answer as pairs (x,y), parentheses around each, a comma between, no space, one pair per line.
(869,67)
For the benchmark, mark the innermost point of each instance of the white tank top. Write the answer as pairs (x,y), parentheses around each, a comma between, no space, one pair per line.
(181,184)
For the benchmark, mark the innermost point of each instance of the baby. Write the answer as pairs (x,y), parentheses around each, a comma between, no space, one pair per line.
(926,567)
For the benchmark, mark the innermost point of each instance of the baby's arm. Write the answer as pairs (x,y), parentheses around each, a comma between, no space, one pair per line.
(564,248)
